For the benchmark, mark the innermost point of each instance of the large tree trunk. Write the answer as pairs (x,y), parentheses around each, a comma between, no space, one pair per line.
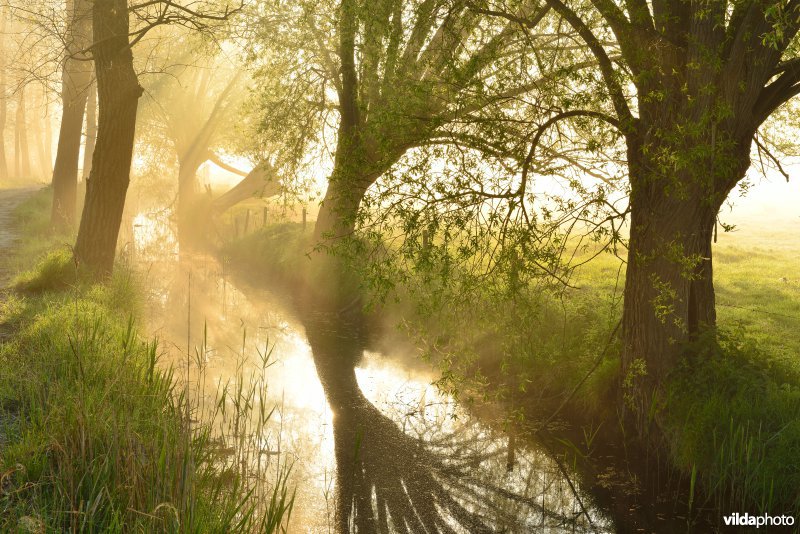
(91,131)
(75,79)
(118,92)
(332,281)
(669,290)
(355,169)
(338,212)
(350,178)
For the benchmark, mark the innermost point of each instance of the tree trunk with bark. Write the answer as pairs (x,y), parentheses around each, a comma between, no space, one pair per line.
(75,79)
(118,92)
(338,212)
(353,173)
(706,77)
(669,289)
(91,131)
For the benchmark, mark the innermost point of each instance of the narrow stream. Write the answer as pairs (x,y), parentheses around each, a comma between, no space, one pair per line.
(373,445)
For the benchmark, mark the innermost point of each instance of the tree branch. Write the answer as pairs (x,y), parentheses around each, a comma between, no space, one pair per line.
(526,165)
(216,160)
(624,115)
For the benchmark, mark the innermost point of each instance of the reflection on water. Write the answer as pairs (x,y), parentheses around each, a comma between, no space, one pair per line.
(375,447)
(410,460)
(152,235)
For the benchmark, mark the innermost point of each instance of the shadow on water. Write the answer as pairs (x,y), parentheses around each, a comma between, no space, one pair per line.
(414,475)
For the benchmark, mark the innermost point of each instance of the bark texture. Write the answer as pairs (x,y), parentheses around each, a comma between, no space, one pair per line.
(118,92)
(669,289)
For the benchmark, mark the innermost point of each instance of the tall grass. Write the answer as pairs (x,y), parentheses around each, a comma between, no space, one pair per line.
(97,435)
(237,420)
(734,417)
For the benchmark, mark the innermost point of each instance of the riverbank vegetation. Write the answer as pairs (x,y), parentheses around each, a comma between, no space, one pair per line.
(732,424)
(97,434)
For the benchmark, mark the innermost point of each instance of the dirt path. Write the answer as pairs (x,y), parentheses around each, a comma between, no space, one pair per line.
(9,199)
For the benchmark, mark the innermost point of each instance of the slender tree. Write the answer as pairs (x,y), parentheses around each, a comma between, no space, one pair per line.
(118,93)
(48,139)
(75,80)
(43,164)
(3,97)
(22,157)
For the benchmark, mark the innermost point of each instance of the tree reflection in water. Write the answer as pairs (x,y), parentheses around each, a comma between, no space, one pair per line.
(433,475)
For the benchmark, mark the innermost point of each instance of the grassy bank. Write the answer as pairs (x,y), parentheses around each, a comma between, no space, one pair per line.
(96,435)
(732,409)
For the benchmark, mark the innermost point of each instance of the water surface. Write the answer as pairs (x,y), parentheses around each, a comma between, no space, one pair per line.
(373,444)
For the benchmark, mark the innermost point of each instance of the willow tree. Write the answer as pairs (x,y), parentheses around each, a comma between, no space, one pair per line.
(387,76)
(198,110)
(688,84)
(76,77)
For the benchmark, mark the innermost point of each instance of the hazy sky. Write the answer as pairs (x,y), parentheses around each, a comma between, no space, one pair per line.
(770,199)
